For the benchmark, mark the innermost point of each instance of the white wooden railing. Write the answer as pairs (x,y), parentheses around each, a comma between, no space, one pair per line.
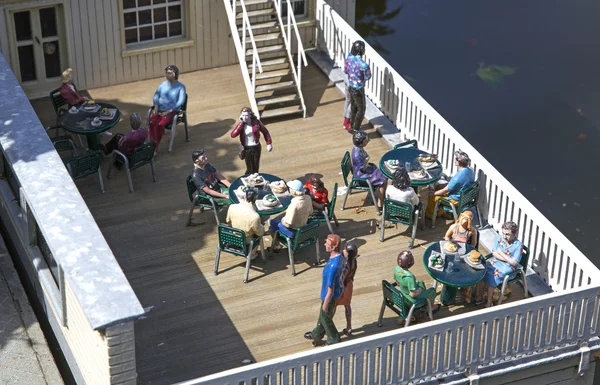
(286,32)
(526,330)
(240,48)
(554,257)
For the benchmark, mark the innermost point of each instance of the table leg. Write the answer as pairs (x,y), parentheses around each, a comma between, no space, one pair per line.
(448,294)
(93,141)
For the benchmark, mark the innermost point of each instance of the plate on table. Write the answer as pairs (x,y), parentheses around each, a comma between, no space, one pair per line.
(270,200)
(254,180)
(450,247)
(392,164)
(240,192)
(417,175)
(279,187)
(428,165)
(473,259)
(436,261)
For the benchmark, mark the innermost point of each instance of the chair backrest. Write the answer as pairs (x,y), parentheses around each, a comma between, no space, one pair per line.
(398,212)
(306,235)
(182,110)
(411,143)
(331,204)
(346,165)
(142,155)
(232,240)
(524,257)
(85,165)
(57,99)
(468,197)
(393,298)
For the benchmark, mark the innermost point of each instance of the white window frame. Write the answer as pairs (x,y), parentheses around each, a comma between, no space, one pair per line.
(152,24)
(302,15)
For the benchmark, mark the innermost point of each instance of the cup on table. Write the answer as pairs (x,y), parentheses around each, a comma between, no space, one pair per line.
(96,120)
(408,167)
(74,109)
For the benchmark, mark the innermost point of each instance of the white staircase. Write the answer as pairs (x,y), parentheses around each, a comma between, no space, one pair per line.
(263,40)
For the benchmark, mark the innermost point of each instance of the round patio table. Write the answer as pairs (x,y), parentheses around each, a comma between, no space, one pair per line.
(403,155)
(81,123)
(285,200)
(456,273)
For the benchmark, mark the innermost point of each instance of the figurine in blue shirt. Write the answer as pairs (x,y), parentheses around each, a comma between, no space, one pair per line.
(168,99)
(463,178)
(358,72)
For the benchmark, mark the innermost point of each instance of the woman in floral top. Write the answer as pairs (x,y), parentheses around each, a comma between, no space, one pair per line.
(506,255)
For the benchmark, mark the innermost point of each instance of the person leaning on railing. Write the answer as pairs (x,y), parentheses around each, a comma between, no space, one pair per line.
(506,255)
(464,177)
(168,99)
(358,72)
(206,178)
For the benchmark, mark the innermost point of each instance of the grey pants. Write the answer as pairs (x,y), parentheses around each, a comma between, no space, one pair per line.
(347,103)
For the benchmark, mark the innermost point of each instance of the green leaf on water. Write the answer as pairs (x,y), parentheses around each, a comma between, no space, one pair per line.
(494,75)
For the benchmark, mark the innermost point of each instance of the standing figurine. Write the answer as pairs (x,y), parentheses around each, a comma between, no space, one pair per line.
(358,73)
(249,129)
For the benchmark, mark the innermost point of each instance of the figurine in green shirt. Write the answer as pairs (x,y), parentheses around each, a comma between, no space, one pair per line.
(412,289)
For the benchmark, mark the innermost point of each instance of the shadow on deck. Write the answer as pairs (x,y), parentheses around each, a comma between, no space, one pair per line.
(200,323)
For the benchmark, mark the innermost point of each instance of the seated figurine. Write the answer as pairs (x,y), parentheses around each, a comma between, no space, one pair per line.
(206,178)
(318,192)
(361,168)
(243,216)
(412,289)
(464,177)
(126,143)
(400,189)
(462,231)
(295,217)
(68,90)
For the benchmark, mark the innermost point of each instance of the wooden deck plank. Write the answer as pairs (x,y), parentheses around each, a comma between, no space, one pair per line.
(201,323)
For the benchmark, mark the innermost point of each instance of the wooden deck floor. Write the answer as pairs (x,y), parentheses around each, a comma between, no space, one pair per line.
(200,323)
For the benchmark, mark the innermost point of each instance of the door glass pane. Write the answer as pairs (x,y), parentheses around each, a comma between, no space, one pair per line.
(27,63)
(48,22)
(175,29)
(145,33)
(52,59)
(22,25)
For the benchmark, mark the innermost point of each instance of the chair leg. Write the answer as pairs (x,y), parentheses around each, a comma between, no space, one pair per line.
(434,216)
(478,216)
(337,224)
(454,213)
(429,310)
(382,226)
(414,231)
(525,284)
(216,270)
(328,223)
(80,141)
(435,285)
(248,261)
(291,254)
(189,220)
(215,211)
(372,191)
(318,256)
(100,179)
(129,179)
(262,249)
(173,126)
(187,134)
(409,316)
(380,320)
(110,167)
(346,197)
(502,291)
(153,166)
(422,213)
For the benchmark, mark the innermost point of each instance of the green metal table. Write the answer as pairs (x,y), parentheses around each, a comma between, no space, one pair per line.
(81,123)
(285,200)
(457,273)
(403,155)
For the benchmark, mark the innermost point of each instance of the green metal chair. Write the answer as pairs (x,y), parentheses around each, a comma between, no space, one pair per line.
(142,155)
(85,165)
(58,102)
(361,184)
(201,199)
(305,236)
(180,117)
(394,299)
(401,212)
(61,142)
(409,144)
(468,199)
(233,241)
(327,214)
(517,276)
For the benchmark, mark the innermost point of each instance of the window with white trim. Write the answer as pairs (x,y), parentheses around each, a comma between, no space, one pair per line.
(299,7)
(152,20)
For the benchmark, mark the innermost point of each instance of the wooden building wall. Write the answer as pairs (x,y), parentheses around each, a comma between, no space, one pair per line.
(96,48)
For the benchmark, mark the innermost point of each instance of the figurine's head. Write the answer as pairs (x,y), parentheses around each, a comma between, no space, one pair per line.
(246,115)
(251,195)
(67,75)
(465,218)
(509,231)
(406,259)
(462,159)
(199,158)
(316,183)
(401,179)
(350,251)
(172,72)
(135,121)
(360,139)
(358,48)
(332,243)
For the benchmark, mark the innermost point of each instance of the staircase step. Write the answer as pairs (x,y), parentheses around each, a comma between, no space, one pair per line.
(281,112)
(257,13)
(253,2)
(275,86)
(273,74)
(278,61)
(276,99)
(266,49)
(267,24)
(265,37)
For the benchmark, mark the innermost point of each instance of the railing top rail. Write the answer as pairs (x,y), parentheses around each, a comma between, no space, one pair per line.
(478,160)
(463,321)
(64,219)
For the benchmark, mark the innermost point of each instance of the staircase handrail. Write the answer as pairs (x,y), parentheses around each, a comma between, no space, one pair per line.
(291,21)
(240,48)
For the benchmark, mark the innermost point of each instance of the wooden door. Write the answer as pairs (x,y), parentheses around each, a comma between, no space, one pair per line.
(38,48)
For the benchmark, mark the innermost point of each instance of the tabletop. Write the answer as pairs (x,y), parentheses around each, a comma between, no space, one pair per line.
(285,200)
(403,155)
(456,273)
(81,122)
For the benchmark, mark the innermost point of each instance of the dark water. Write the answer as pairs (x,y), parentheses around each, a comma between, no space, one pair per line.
(540,126)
